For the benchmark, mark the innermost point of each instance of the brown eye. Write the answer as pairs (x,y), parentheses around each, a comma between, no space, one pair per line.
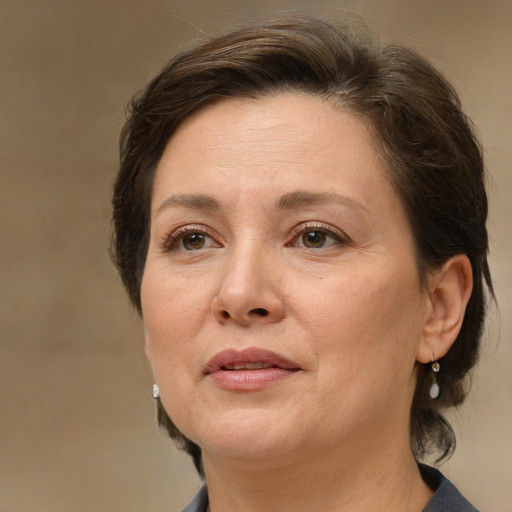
(193,241)
(314,239)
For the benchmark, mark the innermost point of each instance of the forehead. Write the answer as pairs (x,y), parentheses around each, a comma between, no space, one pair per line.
(287,116)
(295,134)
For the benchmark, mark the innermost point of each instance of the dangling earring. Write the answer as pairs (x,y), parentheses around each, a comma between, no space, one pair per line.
(155,391)
(434,388)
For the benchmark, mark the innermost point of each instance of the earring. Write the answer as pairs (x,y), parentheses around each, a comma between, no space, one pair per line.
(155,391)
(434,388)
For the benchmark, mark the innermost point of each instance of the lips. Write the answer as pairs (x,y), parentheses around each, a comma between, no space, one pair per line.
(249,369)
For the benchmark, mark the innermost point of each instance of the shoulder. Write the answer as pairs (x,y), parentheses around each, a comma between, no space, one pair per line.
(446,497)
(199,503)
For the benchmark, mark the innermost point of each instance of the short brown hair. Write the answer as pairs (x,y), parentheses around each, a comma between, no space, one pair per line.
(434,160)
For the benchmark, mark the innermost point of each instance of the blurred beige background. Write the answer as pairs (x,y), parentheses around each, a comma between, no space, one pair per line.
(77,425)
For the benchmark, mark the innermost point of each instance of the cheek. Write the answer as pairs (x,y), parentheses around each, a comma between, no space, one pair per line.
(364,333)
(364,320)
(173,313)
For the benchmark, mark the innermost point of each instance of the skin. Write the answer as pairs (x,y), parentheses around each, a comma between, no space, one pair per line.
(234,268)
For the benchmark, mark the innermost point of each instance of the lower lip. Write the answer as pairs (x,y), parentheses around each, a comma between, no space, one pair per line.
(249,380)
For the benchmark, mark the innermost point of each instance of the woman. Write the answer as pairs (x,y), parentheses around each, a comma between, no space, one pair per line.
(300,220)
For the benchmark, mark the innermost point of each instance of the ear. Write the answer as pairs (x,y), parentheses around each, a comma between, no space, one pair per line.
(449,290)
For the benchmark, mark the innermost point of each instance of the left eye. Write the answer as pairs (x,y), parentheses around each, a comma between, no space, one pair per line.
(316,239)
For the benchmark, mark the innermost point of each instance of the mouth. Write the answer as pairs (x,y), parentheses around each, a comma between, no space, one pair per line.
(249,369)
(246,366)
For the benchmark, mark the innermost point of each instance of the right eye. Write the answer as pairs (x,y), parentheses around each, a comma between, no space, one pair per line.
(189,238)
(194,241)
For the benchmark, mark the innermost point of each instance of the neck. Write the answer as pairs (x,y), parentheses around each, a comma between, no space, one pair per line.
(336,480)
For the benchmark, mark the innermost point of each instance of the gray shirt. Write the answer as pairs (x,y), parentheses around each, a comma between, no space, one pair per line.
(446,497)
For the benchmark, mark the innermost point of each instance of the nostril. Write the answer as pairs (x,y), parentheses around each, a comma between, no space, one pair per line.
(259,311)
(225,315)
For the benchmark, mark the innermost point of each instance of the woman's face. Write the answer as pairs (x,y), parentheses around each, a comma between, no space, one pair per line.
(281,300)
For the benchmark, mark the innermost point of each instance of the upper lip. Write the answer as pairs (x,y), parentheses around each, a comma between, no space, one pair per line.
(231,357)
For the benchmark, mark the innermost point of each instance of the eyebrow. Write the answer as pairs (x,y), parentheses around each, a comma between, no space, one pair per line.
(192,201)
(290,201)
(303,198)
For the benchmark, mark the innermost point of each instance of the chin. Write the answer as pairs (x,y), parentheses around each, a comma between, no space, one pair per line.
(243,435)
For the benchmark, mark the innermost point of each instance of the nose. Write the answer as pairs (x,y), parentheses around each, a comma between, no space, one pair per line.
(249,290)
